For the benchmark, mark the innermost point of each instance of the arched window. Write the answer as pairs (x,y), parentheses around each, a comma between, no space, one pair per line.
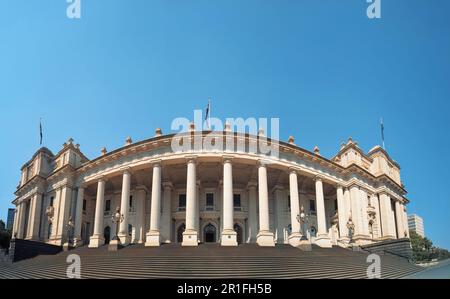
(313,231)
(209,233)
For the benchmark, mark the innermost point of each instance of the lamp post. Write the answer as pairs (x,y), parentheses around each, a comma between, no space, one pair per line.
(70,226)
(116,218)
(303,219)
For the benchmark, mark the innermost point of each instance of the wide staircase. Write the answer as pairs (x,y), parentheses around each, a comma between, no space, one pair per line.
(209,262)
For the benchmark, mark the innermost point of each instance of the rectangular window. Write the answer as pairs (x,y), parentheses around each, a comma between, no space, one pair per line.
(289,202)
(335,205)
(209,201)
(131,201)
(237,201)
(51,201)
(312,205)
(108,205)
(182,201)
(84,204)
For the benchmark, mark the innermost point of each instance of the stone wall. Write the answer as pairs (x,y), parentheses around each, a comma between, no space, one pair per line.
(398,247)
(23,249)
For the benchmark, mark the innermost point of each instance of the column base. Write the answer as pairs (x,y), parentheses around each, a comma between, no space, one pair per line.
(229,238)
(96,241)
(153,239)
(125,239)
(362,240)
(265,238)
(323,241)
(114,245)
(77,242)
(190,238)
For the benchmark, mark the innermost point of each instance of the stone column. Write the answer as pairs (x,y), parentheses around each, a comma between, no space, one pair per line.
(140,213)
(252,212)
(296,234)
(356,210)
(399,218)
(63,215)
(154,236)
(16,221)
(228,233)
(21,220)
(342,213)
(278,215)
(123,234)
(365,220)
(265,236)
(376,204)
(34,218)
(190,236)
(386,219)
(322,240)
(97,238)
(167,213)
(197,208)
(78,240)
(405,220)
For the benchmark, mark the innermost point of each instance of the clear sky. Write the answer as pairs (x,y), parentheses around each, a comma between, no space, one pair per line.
(322,67)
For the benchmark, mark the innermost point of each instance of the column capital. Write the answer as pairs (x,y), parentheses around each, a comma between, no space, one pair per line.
(102,179)
(292,170)
(340,186)
(191,159)
(263,163)
(227,159)
(318,178)
(126,170)
(167,185)
(252,184)
(278,187)
(156,163)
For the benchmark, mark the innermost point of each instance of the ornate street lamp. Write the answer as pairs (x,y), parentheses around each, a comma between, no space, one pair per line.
(303,219)
(70,227)
(117,218)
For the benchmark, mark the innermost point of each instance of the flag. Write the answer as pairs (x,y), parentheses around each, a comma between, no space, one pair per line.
(40,131)
(208,109)
(382,132)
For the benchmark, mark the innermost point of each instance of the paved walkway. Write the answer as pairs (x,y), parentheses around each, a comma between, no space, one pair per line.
(439,271)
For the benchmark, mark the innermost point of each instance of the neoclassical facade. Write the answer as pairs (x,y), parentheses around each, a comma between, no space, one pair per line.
(229,195)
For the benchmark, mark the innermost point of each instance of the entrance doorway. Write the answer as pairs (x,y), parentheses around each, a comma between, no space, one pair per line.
(180,232)
(107,234)
(209,233)
(238,230)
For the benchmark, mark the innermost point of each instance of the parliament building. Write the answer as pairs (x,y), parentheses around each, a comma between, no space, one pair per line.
(228,196)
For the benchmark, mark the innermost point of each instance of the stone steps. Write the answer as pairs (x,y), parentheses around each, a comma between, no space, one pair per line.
(209,262)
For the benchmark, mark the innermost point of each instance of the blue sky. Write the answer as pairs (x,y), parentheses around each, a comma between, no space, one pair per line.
(322,67)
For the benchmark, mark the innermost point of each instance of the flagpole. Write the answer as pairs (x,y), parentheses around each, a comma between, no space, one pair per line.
(209,114)
(382,133)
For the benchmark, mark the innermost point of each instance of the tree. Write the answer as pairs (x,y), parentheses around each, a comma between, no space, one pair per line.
(5,237)
(421,247)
